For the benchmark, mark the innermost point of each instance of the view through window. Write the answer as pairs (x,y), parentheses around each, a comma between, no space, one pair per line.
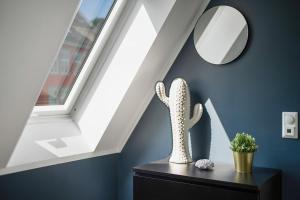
(79,41)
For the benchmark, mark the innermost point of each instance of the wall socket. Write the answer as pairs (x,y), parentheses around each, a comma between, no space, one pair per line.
(290,125)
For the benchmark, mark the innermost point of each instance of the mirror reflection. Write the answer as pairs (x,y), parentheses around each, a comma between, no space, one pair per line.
(221,34)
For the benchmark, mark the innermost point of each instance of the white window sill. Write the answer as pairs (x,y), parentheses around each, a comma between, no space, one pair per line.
(56,140)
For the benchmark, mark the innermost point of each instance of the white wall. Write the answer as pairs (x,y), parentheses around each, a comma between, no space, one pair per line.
(169,26)
(30,35)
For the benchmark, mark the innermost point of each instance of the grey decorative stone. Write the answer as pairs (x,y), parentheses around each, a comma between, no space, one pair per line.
(205,164)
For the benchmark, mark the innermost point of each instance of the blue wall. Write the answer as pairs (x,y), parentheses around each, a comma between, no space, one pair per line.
(248,94)
(90,179)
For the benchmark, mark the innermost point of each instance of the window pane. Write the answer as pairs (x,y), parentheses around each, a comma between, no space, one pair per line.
(76,47)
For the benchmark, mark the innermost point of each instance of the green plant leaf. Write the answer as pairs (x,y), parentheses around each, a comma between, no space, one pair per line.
(243,142)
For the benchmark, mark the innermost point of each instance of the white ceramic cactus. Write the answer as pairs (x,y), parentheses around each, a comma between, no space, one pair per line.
(178,103)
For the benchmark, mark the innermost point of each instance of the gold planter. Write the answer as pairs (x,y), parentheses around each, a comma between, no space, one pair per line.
(243,162)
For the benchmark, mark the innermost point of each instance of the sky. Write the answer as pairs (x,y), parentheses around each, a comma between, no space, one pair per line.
(92,9)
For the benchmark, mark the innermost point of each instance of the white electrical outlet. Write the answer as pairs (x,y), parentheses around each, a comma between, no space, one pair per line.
(290,125)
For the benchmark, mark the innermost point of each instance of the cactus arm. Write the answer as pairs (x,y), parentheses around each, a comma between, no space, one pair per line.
(161,93)
(198,111)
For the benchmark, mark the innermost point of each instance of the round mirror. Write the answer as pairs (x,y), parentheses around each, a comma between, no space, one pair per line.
(221,34)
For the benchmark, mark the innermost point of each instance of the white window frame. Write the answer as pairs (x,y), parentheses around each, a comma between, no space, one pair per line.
(66,108)
(175,27)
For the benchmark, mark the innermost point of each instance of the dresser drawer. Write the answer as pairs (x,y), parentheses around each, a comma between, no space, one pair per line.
(149,188)
(162,180)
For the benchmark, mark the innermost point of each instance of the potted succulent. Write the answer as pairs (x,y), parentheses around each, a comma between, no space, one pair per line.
(243,147)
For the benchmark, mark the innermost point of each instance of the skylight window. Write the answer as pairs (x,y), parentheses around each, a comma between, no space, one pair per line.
(136,47)
(74,52)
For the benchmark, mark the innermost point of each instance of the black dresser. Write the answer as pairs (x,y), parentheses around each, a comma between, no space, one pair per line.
(167,181)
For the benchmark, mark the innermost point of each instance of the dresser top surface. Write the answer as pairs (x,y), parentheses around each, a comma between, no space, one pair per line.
(222,174)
